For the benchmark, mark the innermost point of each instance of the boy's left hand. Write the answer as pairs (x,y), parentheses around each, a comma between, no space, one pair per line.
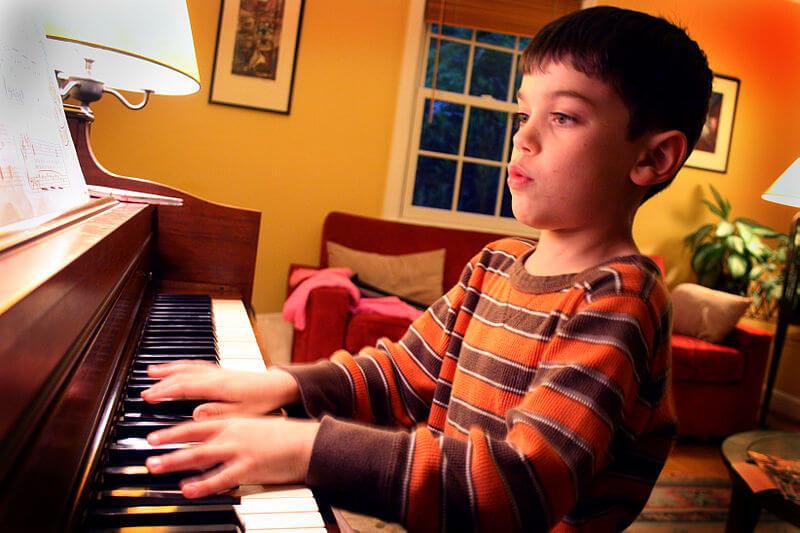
(246,450)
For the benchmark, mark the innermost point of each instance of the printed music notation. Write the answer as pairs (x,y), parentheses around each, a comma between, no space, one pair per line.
(39,169)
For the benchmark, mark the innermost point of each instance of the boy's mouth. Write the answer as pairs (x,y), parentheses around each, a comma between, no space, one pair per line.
(516,176)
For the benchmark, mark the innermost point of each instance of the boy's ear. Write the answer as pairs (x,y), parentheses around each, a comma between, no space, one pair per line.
(661,158)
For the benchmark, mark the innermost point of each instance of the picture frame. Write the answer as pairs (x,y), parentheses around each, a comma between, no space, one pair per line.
(255,55)
(713,147)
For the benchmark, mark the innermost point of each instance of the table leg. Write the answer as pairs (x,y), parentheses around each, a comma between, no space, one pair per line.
(743,512)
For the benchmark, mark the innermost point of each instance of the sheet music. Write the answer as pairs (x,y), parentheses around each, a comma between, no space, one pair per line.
(39,170)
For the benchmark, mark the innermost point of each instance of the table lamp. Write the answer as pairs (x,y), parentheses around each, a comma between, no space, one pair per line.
(144,46)
(786,191)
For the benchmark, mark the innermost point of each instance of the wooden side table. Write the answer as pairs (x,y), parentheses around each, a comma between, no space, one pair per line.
(746,505)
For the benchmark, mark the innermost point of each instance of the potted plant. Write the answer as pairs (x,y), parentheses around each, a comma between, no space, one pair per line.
(732,256)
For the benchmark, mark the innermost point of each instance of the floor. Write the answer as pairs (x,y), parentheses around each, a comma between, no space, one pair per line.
(702,458)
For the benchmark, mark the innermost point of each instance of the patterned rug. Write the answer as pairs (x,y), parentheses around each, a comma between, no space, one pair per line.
(679,503)
(683,503)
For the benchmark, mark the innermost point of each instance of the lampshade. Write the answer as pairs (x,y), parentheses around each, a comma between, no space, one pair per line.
(135,45)
(786,189)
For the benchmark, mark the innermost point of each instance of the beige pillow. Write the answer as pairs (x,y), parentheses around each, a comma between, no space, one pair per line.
(417,276)
(704,313)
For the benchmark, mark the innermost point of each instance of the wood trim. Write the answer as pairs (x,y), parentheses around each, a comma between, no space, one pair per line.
(515,17)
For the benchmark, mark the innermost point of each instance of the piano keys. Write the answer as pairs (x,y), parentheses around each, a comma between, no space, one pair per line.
(125,495)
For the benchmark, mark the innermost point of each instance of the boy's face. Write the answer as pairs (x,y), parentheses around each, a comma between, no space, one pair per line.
(571,158)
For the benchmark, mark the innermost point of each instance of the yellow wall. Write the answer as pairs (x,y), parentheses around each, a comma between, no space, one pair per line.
(332,151)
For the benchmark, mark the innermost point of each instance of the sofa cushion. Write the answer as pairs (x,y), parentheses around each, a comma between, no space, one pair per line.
(701,361)
(704,313)
(416,276)
(366,329)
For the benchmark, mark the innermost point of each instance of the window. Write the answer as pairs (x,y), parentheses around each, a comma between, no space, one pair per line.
(460,144)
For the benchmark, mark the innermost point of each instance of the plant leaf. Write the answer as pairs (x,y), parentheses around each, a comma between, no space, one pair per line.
(735,243)
(724,206)
(725,228)
(708,257)
(714,209)
(695,239)
(737,266)
(756,272)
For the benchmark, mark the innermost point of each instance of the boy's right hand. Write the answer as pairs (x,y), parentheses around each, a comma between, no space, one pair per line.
(230,392)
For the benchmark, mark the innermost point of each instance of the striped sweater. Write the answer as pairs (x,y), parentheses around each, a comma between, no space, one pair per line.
(515,402)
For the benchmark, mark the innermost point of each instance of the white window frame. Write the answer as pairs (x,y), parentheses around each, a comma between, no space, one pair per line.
(405,139)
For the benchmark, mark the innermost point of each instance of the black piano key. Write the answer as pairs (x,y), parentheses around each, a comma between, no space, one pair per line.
(168,407)
(142,364)
(138,475)
(133,451)
(162,515)
(125,429)
(141,496)
(201,528)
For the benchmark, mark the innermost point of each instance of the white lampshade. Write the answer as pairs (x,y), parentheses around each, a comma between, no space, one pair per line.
(136,45)
(786,189)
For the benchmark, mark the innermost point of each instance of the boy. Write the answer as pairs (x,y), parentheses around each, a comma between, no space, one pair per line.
(536,393)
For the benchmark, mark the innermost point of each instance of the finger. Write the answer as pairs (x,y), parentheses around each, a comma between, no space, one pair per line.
(200,457)
(222,478)
(182,387)
(176,367)
(188,432)
(215,411)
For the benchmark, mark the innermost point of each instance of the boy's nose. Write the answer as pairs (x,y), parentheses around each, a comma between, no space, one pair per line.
(526,138)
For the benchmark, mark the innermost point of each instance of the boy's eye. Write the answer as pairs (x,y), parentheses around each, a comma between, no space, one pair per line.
(562,119)
(518,119)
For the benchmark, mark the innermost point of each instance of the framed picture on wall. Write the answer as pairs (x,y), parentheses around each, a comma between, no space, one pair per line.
(255,55)
(713,147)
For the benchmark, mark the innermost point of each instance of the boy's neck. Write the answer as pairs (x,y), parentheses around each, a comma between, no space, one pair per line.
(567,252)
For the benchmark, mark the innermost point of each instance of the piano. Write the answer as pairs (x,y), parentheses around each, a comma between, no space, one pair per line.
(76,296)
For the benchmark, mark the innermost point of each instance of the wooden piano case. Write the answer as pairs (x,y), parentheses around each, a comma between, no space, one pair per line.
(72,299)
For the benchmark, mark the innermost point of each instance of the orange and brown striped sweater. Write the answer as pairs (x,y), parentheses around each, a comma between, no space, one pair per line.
(515,402)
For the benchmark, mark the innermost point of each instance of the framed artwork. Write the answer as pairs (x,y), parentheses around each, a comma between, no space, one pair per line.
(713,147)
(255,56)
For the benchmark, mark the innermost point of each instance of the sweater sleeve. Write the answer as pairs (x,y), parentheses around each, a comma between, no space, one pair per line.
(585,420)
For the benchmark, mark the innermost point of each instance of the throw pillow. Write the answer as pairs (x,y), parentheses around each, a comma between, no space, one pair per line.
(416,276)
(704,313)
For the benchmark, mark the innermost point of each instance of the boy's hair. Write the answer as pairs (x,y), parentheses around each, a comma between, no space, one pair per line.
(660,73)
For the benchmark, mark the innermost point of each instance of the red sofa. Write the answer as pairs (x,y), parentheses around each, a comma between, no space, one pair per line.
(717,386)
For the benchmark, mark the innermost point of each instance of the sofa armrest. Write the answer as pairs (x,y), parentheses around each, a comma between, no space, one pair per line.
(292,268)
(327,314)
(754,343)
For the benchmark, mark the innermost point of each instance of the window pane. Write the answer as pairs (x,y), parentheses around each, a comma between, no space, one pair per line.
(478,188)
(434,182)
(485,135)
(523,42)
(452,66)
(453,31)
(497,39)
(444,132)
(491,70)
(505,208)
(517,79)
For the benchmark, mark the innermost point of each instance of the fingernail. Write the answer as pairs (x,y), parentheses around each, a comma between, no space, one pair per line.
(153,439)
(153,463)
(189,490)
(200,415)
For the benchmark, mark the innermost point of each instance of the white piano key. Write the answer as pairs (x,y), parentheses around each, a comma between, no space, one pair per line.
(250,365)
(273,509)
(277,505)
(291,530)
(237,348)
(281,520)
(273,491)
